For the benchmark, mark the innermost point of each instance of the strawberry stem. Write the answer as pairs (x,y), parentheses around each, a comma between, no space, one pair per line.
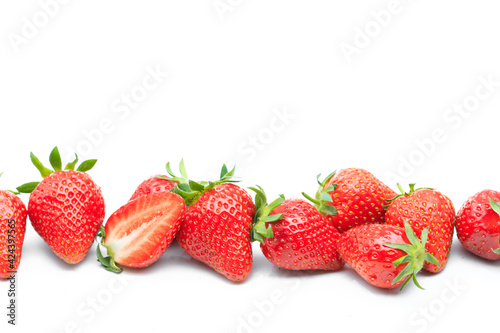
(415,257)
(190,190)
(56,163)
(107,262)
(403,193)
(262,215)
(323,200)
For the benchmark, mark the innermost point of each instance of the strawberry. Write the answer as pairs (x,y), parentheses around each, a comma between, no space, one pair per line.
(386,256)
(153,185)
(351,197)
(66,208)
(12,230)
(294,235)
(425,208)
(478,224)
(161,183)
(217,224)
(138,233)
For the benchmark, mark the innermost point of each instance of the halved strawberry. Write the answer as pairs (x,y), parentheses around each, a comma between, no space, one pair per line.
(138,233)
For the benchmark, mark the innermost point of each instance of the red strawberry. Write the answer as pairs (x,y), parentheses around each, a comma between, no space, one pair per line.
(426,208)
(138,233)
(12,230)
(294,235)
(161,183)
(478,224)
(352,197)
(217,224)
(66,208)
(153,185)
(385,255)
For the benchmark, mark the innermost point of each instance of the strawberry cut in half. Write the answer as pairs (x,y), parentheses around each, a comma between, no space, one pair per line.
(139,232)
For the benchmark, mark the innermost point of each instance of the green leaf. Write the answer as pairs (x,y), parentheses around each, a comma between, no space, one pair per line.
(405,283)
(107,262)
(260,199)
(414,277)
(269,232)
(257,237)
(223,171)
(28,187)
(55,159)
(411,234)
(272,218)
(103,260)
(86,165)
(402,260)
(495,206)
(403,247)
(429,257)
(329,189)
(72,165)
(196,186)
(326,180)
(405,272)
(169,170)
(314,201)
(182,169)
(326,197)
(43,170)
(424,235)
(228,176)
(327,209)
(497,251)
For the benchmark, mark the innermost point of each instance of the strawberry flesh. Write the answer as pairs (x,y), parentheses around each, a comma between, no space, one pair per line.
(138,233)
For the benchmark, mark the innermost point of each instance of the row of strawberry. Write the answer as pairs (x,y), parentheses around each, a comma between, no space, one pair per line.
(354,218)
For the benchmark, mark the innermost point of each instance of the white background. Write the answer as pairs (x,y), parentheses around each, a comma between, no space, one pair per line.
(230,73)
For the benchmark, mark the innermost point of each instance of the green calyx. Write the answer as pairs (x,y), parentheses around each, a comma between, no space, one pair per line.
(56,163)
(262,215)
(107,262)
(403,193)
(415,256)
(323,199)
(183,179)
(496,208)
(190,190)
